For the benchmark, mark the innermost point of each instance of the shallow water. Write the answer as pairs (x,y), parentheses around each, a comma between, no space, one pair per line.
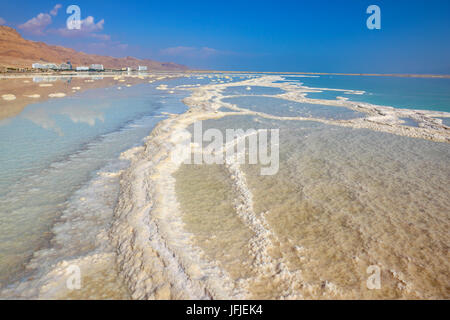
(398,92)
(330,95)
(50,153)
(446,121)
(343,199)
(211,217)
(280,107)
(409,122)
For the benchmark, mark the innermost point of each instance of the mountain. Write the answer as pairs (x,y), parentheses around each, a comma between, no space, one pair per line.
(17,52)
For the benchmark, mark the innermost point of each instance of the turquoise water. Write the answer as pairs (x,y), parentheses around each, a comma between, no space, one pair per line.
(53,148)
(51,131)
(329,95)
(398,92)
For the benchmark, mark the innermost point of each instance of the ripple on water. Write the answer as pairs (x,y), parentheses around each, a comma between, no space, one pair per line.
(343,200)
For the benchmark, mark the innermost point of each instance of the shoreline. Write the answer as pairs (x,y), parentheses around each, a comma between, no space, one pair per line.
(87,74)
(147,207)
(27,92)
(148,229)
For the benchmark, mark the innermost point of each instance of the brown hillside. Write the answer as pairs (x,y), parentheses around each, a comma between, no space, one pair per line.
(17,52)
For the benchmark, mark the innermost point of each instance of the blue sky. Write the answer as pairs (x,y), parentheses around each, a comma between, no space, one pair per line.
(309,36)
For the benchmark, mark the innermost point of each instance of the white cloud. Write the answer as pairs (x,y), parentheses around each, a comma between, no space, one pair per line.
(37,24)
(2,21)
(88,28)
(55,9)
(88,24)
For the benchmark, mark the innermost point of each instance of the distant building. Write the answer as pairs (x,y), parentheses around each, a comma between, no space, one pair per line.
(82,68)
(39,66)
(53,66)
(97,67)
(129,69)
(45,66)
(142,68)
(65,66)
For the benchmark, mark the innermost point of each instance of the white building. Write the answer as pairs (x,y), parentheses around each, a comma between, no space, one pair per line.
(39,66)
(82,68)
(65,66)
(97,67)
(45,66)
(142,68)
(53,66)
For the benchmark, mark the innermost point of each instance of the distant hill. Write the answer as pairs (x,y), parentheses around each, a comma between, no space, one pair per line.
(16,52)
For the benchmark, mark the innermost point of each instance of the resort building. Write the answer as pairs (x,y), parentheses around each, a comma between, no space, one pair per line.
(51,66)
(66,66)
(39,66)
(142,68)
(97,67)
(82,68)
